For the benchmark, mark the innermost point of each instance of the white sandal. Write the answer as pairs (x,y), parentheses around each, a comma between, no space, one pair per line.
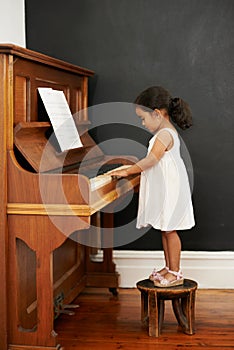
(156,276)
(165,283)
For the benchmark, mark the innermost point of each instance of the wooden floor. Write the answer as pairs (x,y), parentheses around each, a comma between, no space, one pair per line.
(104,322)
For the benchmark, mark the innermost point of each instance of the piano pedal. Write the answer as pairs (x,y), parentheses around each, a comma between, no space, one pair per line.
(68,306)
(60,308)
(114,291)
(66,312)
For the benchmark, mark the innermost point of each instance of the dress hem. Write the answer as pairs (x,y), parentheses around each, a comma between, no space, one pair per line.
(165,229)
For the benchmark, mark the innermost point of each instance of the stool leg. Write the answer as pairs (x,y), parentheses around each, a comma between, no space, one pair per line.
(188,305)
(184,312)
(144,307)
(161,308)
(153,315)
(179,312)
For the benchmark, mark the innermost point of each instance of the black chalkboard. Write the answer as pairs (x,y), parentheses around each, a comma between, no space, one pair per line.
(185,46)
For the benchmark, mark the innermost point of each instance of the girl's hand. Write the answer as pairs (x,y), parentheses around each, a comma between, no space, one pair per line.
(118,173)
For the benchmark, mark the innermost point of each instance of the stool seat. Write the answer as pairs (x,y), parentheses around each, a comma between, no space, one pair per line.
(152,305)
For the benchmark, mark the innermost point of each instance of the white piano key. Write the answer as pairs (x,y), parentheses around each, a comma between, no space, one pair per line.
(101,180)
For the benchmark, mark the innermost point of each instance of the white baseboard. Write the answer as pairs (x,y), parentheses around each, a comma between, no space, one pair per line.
(209,269)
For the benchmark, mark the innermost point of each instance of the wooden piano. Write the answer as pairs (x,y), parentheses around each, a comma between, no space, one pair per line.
(42,260)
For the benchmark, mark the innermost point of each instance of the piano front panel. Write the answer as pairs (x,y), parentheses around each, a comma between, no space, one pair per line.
(73,267)
(28,76)
(64,289)
(44,266)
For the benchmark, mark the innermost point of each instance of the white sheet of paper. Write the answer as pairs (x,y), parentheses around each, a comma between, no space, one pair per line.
(61,118)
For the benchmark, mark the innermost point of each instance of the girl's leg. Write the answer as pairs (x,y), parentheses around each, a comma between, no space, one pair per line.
(156,274)
(165,248)
(172,248)
(163,271)
(173,244)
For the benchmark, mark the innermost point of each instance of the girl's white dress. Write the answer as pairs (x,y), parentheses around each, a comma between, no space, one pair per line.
(165,197)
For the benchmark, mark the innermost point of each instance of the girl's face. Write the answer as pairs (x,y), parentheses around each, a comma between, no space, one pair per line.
(150,120)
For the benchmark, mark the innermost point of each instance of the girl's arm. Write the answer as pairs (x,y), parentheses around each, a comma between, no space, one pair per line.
(160,145)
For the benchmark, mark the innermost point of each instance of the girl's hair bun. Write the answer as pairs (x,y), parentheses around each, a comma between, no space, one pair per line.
(180,113)
(175,104)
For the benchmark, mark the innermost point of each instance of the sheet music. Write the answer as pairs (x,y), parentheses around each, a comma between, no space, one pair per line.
(61,118)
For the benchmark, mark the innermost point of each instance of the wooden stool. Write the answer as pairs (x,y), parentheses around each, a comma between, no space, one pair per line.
(152,305)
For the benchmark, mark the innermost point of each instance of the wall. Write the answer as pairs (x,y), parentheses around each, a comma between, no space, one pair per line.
(12,22)
(186,46)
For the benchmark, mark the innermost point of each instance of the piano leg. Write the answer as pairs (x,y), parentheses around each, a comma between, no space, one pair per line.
(45,296)
(102,273)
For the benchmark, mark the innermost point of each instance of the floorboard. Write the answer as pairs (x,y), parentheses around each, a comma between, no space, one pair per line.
(105,322)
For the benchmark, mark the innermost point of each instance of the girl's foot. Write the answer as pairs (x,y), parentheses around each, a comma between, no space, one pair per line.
(158,275)
(170,279)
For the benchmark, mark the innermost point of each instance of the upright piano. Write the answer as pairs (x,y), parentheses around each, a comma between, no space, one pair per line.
(48,201)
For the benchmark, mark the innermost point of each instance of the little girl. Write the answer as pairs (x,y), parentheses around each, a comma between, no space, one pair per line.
(164,197)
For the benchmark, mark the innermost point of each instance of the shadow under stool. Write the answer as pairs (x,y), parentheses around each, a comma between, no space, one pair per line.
(183,303)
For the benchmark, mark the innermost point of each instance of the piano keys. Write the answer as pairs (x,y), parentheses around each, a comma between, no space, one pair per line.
(103,176)
(43,262)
